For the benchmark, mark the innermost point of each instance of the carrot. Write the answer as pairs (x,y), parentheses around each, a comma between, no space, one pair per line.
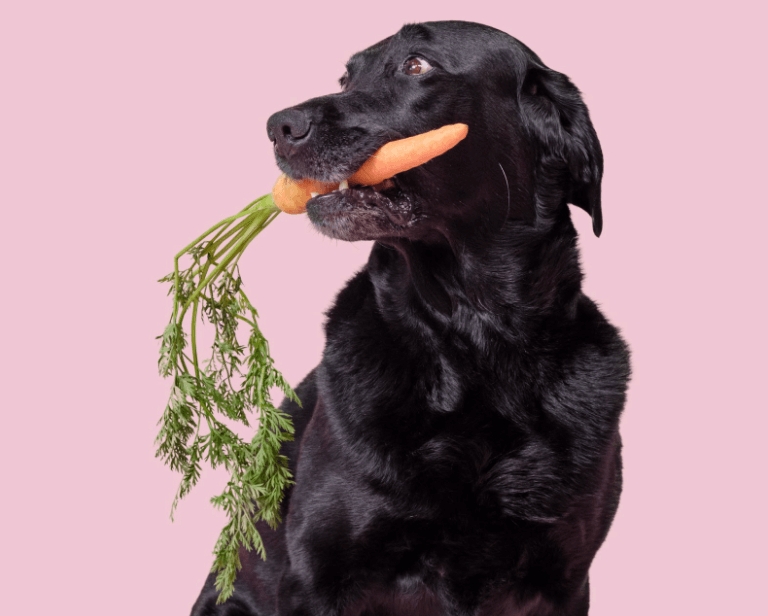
(291,196)
(404,154)
(391,159)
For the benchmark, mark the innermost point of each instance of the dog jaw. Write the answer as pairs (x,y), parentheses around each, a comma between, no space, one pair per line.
(362,212)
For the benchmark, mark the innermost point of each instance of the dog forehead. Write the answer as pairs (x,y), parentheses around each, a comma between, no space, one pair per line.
(363,59)
(456,45)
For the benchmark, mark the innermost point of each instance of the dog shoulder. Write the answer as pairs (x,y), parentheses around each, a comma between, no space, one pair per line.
(588,393)
(600,360)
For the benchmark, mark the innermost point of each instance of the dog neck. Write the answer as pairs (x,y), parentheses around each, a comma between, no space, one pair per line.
(511,281)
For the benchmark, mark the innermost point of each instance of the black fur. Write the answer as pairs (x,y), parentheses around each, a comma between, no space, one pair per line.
(458,449)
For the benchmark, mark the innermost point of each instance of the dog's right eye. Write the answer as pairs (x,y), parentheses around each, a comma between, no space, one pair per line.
(416,66)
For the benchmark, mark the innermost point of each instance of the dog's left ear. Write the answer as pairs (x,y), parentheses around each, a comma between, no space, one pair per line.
(554,111)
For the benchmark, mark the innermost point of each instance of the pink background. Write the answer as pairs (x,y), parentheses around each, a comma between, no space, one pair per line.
(127,129)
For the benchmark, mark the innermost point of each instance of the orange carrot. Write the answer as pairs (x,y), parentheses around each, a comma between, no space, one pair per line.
(391,159)
(292,196)
(404,154)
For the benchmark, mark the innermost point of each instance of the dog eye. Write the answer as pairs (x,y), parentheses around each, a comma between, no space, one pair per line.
(416,66)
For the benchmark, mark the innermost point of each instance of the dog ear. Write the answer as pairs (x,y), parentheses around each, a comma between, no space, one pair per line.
(557,116)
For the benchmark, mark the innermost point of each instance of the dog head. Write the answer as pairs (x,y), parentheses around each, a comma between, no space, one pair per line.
(531,147)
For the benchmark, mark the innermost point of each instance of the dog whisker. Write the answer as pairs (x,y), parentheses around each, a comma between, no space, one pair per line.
(509,196)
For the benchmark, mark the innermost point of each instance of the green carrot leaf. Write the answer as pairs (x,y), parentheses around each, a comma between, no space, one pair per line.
(231,382)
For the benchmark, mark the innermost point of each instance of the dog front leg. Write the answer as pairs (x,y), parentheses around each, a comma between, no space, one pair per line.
(322,570)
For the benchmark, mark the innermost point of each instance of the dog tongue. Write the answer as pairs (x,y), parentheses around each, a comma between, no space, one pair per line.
(388,183)
(392,158)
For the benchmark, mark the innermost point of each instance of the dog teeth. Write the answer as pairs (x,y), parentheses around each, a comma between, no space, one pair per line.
(314,194)
(343,185)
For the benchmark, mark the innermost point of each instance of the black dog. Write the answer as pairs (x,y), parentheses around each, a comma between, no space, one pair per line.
(458,449)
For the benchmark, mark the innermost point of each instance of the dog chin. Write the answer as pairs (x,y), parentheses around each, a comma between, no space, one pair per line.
(362,213)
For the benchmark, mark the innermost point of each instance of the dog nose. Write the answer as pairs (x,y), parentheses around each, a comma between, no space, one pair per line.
(288,130)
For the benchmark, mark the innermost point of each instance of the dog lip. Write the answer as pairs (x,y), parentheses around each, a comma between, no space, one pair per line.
(389,200)
(345,192)
(386,185)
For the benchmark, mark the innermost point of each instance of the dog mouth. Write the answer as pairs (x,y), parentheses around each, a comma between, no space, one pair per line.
(362,212)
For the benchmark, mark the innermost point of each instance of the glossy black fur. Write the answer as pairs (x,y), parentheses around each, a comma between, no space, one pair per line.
(458,449)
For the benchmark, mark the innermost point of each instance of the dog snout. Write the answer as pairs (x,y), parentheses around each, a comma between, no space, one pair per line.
(289,130)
